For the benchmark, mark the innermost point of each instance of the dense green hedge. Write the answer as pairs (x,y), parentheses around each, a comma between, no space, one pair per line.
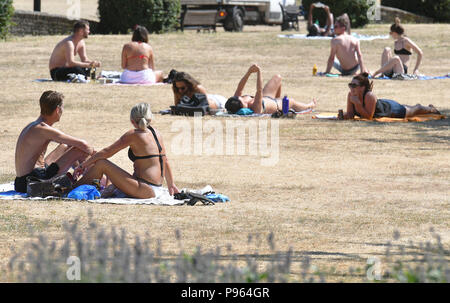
(355,9)
(439,10)
(6,12)
(119,16)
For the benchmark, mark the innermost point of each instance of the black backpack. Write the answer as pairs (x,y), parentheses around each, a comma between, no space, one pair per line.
(188,106)
(56,187)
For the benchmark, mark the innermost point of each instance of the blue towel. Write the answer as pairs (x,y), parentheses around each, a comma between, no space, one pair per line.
(218,197)
(84,192)
(383,77)
(244,112)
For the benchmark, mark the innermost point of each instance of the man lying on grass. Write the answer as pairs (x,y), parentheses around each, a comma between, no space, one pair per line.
(33,141)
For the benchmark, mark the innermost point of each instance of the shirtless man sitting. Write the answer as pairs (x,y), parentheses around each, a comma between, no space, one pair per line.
(62,61)
(347,50)
(33,141)
(266,100)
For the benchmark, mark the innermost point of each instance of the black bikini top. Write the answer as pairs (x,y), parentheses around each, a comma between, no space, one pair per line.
(133,157)
(402,51)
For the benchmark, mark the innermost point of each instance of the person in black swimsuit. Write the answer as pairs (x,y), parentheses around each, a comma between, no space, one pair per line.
(398,64)
(266,100)
(146,151)
(362,102)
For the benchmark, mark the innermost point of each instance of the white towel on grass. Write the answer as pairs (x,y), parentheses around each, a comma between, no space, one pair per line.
(164,198)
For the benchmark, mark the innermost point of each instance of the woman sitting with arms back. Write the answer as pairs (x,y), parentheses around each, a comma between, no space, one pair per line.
(146,151)
(398,64)
(138,60)
(362,102)
(185,85)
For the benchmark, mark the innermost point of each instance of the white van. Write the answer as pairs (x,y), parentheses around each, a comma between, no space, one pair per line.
(233,14)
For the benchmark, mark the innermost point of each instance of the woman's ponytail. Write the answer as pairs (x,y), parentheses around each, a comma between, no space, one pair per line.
(143,124)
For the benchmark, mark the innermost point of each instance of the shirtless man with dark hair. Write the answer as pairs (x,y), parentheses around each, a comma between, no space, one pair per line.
(33,141)
(62,61)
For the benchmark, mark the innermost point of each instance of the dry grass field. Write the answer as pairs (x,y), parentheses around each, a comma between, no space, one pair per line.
(338,191)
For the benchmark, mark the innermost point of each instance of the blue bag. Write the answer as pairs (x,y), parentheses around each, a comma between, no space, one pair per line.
(84,192)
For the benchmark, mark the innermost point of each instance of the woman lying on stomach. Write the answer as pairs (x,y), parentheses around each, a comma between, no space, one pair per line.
(362,102)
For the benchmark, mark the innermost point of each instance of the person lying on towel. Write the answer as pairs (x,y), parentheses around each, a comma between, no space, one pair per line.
(266,100)
(147,152)
(362,102)
(185,85)
(138,61)
(33,142)
(62,61)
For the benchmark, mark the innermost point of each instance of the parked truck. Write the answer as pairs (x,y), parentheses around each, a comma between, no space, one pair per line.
(233,14)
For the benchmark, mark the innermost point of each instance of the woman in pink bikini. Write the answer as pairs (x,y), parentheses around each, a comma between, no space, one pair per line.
(138,60)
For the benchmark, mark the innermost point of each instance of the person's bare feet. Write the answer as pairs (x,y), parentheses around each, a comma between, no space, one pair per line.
(313,103)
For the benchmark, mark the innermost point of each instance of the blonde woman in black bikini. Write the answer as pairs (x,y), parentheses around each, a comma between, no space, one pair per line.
(147,152)
(138,60)
(398,64)
(266,100)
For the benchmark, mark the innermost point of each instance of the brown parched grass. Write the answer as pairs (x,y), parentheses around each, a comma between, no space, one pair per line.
(338,191)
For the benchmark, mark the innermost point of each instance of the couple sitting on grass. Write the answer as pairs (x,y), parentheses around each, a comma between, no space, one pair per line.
(265,101)
(146,151)
(137,57)
(347,50)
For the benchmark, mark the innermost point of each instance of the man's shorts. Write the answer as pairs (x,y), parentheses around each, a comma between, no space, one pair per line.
(45,173)
(345,72)
(61,73)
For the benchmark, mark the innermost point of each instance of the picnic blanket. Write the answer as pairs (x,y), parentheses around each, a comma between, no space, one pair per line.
(418,118)
(406,77)
(164,198)
(360,37)
(225,114)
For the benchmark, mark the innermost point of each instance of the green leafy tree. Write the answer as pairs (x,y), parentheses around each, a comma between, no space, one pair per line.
(439,10)
(118,16)
(6,13)
(355,9)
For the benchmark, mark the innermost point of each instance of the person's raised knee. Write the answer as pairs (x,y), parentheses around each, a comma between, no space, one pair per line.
(277,78)
(387,49)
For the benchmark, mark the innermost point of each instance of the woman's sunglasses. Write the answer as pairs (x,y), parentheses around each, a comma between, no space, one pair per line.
(353,85)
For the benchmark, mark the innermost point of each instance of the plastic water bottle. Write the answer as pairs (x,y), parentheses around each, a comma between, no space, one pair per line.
(314,69)
(285,105)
